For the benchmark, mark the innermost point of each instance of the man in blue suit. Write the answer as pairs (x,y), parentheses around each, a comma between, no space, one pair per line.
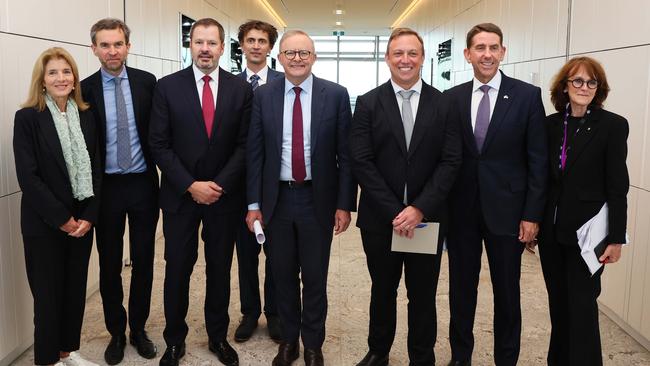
(199,124)
(498,197)
(256,38)
(300,186)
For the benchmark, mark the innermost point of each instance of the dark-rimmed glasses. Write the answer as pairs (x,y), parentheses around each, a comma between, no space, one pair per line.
(578,83)
(291,54)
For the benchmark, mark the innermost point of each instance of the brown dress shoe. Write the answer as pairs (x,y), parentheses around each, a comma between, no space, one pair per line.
(287,353)
(314,357)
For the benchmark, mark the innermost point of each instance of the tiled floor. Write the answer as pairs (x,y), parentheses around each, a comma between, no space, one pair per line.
(349,292)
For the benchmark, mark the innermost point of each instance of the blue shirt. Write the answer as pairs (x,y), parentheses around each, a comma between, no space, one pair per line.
(138,165)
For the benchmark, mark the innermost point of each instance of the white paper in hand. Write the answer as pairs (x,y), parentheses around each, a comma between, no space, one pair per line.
(259,233)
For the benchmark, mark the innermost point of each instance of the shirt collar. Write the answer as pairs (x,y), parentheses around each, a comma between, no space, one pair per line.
(262,73)
(495,83)
(107,77)
(305,85)
(198,74)
(417,87)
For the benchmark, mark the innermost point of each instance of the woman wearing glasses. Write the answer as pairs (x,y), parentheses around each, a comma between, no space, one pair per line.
(57,164)
(587,152)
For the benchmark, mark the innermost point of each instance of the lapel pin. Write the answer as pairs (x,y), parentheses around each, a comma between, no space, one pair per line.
(505,96)
(588,128)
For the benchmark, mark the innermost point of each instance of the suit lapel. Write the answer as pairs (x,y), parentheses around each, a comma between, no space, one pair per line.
(52,137)
(223,100)
(465,105)
(277,104)
(500,109)
(136,93)
(98,92)
(555,136)
(582,139)
(427,109)
(193,102)
(393,117)
(317,105)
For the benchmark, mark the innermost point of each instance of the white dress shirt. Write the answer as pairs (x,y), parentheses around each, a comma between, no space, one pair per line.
(287,126)
(415,98)
(263,74)
(214,83)
(477,95)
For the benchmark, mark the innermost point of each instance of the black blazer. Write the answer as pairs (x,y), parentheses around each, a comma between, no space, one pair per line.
(47,202)
(180,145)
(595,173)
(332,183)
(510,174)
(382,164)
(142,85)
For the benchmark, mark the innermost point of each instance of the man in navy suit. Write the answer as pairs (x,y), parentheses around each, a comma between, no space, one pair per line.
(199,123)
(130,185)
(498,197)
(257,38)
(300,186)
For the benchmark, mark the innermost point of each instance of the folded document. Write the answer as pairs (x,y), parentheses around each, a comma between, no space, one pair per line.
(592,239)
(424,241)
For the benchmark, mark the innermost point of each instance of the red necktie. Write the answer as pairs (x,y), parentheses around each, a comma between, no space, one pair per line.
(207,101)
(297,147)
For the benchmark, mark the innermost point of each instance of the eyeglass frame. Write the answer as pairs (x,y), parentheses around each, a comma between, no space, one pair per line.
(296,53)
(582,82)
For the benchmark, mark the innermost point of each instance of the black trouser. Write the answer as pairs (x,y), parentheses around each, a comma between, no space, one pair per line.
(135,196)
(300,249)
(421,277)
(57,271)
(248,251)
(181,251)
(465,247)
(572,294)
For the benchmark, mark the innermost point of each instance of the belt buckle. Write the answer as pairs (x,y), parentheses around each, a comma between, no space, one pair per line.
(291,184)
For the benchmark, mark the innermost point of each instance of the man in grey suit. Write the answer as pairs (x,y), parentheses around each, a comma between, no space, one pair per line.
(256,38)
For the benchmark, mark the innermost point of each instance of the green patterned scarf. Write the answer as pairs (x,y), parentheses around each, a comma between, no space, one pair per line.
(75,153)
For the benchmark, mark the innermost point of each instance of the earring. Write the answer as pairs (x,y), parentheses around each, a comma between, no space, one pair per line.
(565,90)
(43,89)
(73,88)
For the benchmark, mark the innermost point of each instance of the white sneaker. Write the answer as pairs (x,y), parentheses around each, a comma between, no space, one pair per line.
(75,359)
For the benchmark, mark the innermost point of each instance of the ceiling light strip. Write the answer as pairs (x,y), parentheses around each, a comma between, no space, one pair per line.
(271,11)
(409,9)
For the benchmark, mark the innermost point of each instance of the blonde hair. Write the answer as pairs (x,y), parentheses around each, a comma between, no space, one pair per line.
(36,95)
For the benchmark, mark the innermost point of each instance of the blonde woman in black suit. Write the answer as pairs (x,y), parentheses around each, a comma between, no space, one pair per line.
(55,148)
(588,148)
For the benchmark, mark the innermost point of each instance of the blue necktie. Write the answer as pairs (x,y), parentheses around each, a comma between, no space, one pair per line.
(123,133)
(254,80)
(482,118)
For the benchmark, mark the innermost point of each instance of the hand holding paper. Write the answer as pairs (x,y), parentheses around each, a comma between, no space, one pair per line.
(259,233)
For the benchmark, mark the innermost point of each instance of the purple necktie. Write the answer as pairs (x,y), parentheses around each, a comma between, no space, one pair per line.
(298,170)
(482,118)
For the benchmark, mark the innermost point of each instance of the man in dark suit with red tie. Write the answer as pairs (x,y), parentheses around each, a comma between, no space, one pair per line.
(498,197)
(406,151)
(199,123)
(257,39)
(300,186)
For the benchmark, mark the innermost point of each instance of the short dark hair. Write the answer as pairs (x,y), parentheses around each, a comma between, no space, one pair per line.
(259,25)
(484,27)
(109,24)
(560,99)
(398,32)
(208,22)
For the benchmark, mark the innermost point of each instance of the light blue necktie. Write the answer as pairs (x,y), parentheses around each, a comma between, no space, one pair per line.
(123,133)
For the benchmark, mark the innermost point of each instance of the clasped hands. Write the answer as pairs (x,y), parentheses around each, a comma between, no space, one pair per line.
(76,228)
(206,192)
(407,220)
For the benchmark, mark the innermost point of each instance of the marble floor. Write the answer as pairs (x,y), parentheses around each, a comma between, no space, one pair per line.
(349,293)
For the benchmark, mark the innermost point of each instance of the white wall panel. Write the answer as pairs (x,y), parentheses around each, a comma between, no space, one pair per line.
(639,254)
(8,325)
(606,24)
(549,20)
(21,296)
(548,69)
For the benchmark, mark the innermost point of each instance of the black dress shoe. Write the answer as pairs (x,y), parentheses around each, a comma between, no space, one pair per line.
(173,355)
(225,353)
(143,344)
(275,328)
(372,359)
(115,350)
(287,353)
(460,363)
(245,329)
(314,357)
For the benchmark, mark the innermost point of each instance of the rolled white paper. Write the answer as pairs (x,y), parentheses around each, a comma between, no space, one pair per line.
(259,233)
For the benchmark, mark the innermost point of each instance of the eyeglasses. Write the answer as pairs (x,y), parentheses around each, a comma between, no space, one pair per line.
(578,83)
(291,54)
